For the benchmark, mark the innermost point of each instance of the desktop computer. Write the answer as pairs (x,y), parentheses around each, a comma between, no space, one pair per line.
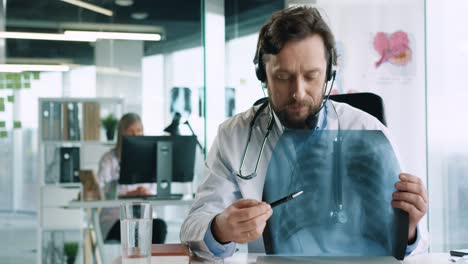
(158,159)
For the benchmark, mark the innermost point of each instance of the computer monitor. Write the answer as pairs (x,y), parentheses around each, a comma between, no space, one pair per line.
(157,159)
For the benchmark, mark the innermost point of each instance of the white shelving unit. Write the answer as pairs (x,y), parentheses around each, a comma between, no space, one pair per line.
(67,123)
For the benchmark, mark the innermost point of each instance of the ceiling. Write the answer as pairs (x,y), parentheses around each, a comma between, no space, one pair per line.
(180,20)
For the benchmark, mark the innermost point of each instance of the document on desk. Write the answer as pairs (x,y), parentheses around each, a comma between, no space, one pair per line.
(348,179)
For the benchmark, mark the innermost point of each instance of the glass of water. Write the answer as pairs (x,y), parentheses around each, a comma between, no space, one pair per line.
(136,232)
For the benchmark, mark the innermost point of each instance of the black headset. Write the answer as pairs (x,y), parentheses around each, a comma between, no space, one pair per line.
(260,70)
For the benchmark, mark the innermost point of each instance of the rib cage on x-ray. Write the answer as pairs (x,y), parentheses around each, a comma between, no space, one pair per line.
(363,183)
(181,101)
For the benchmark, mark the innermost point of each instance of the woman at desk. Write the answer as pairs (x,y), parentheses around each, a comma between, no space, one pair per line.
(108,176)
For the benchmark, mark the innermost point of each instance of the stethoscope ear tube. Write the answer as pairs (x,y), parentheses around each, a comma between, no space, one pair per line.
(252,123)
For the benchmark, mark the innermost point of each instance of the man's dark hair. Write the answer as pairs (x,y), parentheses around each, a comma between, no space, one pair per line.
(294,23)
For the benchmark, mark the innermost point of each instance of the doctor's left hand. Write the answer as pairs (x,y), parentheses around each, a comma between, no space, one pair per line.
(412,198)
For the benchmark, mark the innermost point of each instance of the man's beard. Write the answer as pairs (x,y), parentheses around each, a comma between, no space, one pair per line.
(309,121)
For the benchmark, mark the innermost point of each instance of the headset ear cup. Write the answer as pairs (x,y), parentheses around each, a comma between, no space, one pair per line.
(260,66)
(260,71)
(330,71)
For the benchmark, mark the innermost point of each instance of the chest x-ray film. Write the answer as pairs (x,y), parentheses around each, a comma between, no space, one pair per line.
(348,179)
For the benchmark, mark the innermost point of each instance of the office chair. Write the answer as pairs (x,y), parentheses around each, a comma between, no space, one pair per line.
(367,102)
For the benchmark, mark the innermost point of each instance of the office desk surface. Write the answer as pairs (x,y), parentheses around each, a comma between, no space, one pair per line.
(92,207)
(117,202)
(243,258)
(431,258)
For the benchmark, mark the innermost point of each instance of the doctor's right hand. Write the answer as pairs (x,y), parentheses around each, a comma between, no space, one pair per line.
(241,222)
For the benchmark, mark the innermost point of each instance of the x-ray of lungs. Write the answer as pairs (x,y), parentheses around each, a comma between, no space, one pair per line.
(348,179)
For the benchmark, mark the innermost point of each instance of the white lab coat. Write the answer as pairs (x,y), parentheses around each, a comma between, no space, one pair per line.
(221,187)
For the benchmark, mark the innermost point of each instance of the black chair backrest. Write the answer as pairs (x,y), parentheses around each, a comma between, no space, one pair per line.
(367,102)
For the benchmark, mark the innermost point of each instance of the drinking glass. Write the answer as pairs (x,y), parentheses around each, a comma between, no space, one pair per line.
(136,232)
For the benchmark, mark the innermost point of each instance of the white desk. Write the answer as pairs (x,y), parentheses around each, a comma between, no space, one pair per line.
(431,258)
(93,216)
(239,258)
(116,203)
(243,258)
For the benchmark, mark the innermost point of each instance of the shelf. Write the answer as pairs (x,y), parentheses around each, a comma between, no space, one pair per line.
(71,185)
(78,142)
(71,139)
(101,100)
(65,229)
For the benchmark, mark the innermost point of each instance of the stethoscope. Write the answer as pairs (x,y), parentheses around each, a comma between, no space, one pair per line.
(271,122)
(338,214)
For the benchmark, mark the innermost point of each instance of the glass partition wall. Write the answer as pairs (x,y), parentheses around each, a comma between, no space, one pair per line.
(421,87)
(447,143)
(146,55)
(156,73)
(201,67)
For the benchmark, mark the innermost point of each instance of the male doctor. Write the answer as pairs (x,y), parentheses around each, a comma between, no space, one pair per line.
(295,53)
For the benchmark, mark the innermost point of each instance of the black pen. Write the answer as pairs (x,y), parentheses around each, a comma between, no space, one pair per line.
(285,199)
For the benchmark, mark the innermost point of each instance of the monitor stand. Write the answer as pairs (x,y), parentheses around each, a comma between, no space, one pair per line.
(164,169)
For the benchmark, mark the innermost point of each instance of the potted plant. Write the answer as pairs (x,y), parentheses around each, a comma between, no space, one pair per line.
(70,249)
(109,123)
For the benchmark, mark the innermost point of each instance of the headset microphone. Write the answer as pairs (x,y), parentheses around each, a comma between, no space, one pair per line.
(312,120)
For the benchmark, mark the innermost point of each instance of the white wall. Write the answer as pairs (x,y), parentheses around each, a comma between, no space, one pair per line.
(25,145)
(240,71)
(153,100)
(214,67)
(80,82)
(118,71)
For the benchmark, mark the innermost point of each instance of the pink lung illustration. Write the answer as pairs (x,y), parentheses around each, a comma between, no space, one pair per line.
(394,48)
